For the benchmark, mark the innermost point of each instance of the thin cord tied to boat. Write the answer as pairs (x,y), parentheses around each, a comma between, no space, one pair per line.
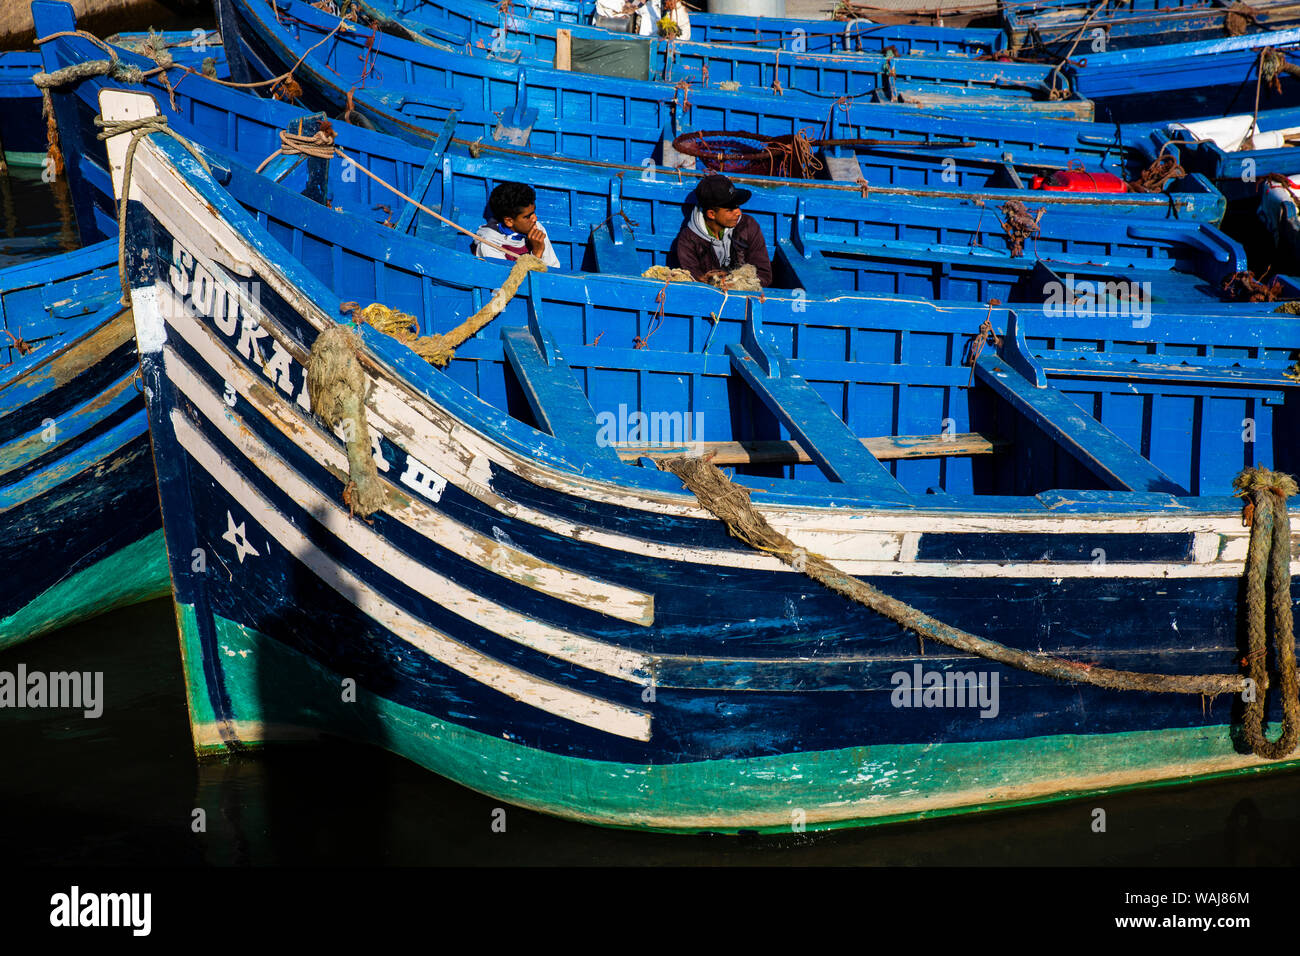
(1268,595)
(730,503)
(139,129)
(321,145)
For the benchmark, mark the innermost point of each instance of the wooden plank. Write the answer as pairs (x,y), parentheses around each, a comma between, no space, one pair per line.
(558,402)
(885,448)
(829,442)
(1094,445)
(1172,369)
(615,257)
(563,49)
(810,270)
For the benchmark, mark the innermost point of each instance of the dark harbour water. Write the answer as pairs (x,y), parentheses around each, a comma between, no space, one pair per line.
(122,789)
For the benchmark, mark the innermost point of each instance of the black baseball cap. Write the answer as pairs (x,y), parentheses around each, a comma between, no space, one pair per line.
(716,191)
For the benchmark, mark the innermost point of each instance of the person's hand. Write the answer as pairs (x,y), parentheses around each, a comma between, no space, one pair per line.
(536,240)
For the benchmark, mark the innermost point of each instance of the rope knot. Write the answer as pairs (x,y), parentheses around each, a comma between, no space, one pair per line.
(1260,479)
(1019,224)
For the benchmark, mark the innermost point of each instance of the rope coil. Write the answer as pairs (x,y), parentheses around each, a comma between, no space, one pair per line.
(338,387)
(792,155)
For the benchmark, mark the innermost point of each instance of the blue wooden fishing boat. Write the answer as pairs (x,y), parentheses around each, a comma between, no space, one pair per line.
(22,130)
(1180,81)
(638,127)
(571,617)
(824,243)
(783,33)
(404,87)
(575,199)
(1060,27)
(1238,153)
(79,521)
(891,77)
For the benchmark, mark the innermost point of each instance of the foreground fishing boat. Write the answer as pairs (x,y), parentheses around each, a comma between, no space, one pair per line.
(79,525)
(533,609)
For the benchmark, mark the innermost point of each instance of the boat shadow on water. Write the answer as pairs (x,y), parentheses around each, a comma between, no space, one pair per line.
(123,790)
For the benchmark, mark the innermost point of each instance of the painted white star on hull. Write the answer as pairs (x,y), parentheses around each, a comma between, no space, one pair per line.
(235,535)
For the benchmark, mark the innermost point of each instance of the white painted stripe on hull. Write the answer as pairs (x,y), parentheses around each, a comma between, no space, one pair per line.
(516,684)
(564,645)
(510,562)
(877,555)
(462,456)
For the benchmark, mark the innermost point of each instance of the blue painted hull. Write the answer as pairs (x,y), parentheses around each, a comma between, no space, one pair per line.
(78,504)
(410,88)
(1184,80)
(1053,28)
(972,173)
(816,36)
(719,674)
(941,82)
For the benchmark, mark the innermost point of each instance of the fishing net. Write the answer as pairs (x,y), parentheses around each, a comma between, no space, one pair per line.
(723,151)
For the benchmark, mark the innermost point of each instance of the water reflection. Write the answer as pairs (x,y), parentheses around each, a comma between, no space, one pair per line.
(125,788)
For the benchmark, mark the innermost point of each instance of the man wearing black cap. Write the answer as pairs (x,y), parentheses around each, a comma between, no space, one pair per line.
(718,236)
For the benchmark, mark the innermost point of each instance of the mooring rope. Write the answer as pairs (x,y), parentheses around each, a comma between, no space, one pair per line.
(1153,178)
(1268,567)
(440,348)
(337,386)
(75,73)
(139,129)
(1238,17)
(1268,588)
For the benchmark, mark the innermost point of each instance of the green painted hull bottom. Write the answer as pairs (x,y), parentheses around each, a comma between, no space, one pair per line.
(25,160)
(136,573)
(277,693)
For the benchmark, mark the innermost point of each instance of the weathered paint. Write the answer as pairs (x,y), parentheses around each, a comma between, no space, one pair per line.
(134,574)
(774,688)
(838,788)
